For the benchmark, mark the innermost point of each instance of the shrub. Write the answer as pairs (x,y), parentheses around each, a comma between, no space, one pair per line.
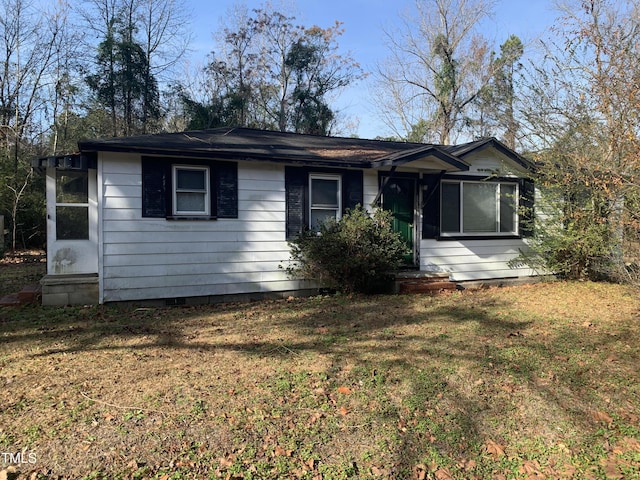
(355,254)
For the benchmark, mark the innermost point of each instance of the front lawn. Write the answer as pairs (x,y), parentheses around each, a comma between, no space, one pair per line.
(537,381)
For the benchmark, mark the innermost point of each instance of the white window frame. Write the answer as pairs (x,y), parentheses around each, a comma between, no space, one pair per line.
(176,191)
(497,232)
(78,205)
(312,207)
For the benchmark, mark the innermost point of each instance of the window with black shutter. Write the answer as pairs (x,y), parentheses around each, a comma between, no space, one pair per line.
(477,208)
(313,193)
(197,190)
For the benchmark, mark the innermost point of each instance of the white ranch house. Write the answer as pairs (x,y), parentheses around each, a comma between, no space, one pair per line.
(204,216)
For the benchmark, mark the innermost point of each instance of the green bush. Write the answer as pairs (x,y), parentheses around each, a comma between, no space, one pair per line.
(355,254)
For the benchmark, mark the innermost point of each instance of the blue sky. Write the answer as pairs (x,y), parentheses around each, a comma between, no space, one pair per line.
(364,21)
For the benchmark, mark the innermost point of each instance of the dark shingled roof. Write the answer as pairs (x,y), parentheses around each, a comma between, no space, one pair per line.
(250,144)
(229,143)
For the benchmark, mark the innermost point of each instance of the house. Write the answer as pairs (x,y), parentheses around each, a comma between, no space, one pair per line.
(206,215)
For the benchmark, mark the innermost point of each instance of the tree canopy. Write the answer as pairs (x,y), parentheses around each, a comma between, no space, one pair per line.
(269,72)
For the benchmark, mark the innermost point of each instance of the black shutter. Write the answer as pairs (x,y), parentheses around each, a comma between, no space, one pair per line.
(527,212)
(352,189)
(225,204)
(156,195)
(296,181)
(431,206)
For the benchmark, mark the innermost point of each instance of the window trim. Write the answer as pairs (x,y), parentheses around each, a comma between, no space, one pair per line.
(175,191)
(78,205)
(312,207)
(482,235)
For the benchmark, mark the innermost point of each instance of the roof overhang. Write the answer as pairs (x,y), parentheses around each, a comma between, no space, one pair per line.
(469,149)
(434,158)
(75,161)
(224,154)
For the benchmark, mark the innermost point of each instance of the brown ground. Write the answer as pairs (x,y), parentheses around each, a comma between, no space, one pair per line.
(538,381)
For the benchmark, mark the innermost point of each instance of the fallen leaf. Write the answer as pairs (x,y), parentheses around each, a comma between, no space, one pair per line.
(343,411)
(494,449)
(443,474)
(530,467)
(420,471)
(602,417)
(279,451)
(315,417)
(611,469)
(344,390)
(468,465)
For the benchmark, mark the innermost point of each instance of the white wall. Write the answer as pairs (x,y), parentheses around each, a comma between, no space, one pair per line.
(474,259)
(478,259)
(148,258)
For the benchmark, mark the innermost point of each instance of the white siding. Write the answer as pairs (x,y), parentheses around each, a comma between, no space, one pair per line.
(474,259)
(147,258)
(478,259)
(370,185)
(489,161)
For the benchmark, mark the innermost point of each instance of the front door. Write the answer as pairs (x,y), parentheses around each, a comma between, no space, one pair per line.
(72,221)
(399,198)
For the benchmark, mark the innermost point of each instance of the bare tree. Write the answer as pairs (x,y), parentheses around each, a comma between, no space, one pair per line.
(165,38)
(438,65)
(140,43)
(28,39)
(584,122)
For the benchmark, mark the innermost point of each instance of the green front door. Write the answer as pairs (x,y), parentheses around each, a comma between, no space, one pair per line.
(399,198)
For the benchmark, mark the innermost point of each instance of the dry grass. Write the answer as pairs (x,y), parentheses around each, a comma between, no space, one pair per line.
(20,269)
(536,381)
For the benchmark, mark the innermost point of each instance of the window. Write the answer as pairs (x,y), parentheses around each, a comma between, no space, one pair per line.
(333,192)
(72,205)
(324,193)
(191,190)
(203,190)
(479,208)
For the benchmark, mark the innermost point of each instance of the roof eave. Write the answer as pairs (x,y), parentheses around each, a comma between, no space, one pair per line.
(504,150)
(449,162)
(223,155)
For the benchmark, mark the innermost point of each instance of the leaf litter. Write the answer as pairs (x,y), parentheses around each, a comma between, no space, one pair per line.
(533,381)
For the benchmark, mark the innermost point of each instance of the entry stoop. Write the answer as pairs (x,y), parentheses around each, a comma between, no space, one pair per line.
(423,282)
